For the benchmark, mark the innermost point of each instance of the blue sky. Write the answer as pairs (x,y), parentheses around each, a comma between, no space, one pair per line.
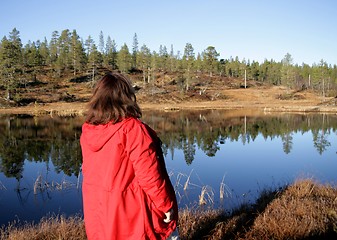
(254,30)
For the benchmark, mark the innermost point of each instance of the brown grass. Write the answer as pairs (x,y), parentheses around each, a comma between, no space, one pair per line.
(303,210)
(51,228)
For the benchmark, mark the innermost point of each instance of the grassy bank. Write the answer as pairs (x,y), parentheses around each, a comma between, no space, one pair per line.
(303,210)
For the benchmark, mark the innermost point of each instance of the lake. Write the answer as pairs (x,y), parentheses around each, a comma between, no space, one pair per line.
(216,158)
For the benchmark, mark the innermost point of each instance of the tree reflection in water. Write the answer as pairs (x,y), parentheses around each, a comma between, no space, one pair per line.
(209,128)
(44,139)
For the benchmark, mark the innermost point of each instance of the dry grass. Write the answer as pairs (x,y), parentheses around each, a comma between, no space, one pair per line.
(224,191)
(206,195)
(52,228)
(196,224)
(303,210)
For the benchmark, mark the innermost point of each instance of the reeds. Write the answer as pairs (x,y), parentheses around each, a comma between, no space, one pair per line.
(224,189)
(187,181)
(41,185)
(206,195)
(183,184)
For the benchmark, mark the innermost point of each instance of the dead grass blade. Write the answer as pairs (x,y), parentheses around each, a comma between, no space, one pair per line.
(187,181)
(206,195)
(2,187)
(224,189)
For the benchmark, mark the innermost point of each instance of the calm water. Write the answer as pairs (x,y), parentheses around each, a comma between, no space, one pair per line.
(238,154)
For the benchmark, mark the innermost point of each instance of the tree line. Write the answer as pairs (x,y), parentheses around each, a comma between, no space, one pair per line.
(67,52)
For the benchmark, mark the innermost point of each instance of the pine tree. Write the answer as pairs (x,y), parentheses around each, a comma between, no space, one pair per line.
(32,59)
(255,70)
(172,60)
(124,59)
(101,43)
(306,73)
(44,52)
(134,51)
(324,76)
(63,61)
(53,48)
(198,63)
(89,45)
(11,61)
(110,59)
(210,57)
(188,61)
(31,55)
(162,58)
(95,60)
(287,71)
(155,63)
(144,62)
(77,53)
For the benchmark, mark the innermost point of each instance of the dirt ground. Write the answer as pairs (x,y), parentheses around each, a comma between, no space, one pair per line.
(267,99)
(263,98)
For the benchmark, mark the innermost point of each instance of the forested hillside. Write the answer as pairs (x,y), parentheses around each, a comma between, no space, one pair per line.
(67,63)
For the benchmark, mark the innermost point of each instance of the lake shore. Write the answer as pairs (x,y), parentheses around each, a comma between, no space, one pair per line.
(290,106)
(302,210)
(266,99)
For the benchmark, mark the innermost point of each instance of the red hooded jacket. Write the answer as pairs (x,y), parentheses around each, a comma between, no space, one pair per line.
(126,188)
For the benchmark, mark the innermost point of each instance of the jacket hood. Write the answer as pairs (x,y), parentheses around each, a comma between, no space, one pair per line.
(96,136)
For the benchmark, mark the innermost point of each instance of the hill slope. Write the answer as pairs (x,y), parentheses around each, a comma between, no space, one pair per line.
(69,94)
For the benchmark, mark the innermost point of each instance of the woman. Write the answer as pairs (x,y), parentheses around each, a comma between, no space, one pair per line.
(127,193)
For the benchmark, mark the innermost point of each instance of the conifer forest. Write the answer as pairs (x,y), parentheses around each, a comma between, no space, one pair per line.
(68,53)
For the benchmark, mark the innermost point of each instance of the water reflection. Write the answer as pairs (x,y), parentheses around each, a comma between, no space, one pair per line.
(43,139)
(206,130)
(41,155)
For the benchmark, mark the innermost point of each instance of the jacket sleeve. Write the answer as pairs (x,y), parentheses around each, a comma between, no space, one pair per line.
(148,172)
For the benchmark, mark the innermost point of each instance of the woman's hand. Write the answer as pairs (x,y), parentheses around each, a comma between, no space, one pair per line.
(169,216)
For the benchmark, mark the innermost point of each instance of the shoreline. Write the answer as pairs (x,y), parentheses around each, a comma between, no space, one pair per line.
(304,209)
(79,108)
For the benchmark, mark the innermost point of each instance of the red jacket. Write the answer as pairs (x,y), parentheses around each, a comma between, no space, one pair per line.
(126,188)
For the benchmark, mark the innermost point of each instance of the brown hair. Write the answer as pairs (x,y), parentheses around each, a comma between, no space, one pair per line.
(113,100)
